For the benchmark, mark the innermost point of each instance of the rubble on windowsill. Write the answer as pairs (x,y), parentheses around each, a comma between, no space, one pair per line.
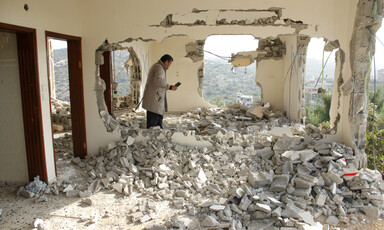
(226,172)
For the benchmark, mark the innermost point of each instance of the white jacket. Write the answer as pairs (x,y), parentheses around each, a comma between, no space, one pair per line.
(154,98)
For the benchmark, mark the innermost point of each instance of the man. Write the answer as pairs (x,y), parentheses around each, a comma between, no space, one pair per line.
(154,99)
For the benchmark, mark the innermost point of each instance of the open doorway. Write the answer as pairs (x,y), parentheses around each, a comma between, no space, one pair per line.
(60,102)
(25,52)
(224,83)
(66,92)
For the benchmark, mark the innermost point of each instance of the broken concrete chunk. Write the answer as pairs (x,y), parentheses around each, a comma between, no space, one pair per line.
(263,207)
(202,177)
(259,179)
(210,221)
(332,220)
(307,155)
(320,199)
(371,211)
(130,140)
(244,203)
(265,153)
(291,155)
(291,211)
(217,208)
(334,177)
(307,218)
(279,183)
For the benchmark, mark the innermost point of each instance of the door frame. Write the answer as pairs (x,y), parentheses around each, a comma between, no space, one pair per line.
(75,72)
(30,99)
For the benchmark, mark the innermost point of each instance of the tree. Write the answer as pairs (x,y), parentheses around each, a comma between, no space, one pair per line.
(218,100)
(378,99)
(320,114)
(375,140)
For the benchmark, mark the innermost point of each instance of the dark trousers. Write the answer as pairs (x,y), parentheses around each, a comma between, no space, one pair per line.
(154,119)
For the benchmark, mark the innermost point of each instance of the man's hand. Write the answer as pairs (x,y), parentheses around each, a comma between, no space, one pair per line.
(173,88)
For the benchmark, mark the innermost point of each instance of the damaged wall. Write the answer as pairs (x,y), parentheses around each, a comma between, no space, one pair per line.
(331,20)
(362,50)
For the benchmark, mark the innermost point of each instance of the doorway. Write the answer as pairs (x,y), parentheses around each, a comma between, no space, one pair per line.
(26,46)
(75,87)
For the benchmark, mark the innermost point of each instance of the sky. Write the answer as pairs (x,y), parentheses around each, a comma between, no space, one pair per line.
(58,44)
(379,53)
(224,45)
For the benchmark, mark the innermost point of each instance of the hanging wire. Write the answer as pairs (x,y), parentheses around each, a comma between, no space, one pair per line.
(322,71)
(222,57)
(375,36)
(374,109)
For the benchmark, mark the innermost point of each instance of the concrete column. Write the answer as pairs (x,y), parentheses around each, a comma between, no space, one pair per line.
(294,73)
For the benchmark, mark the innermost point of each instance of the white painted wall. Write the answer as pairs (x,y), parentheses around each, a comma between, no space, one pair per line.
(13,158)
(97,20)
(184,70)
(269,73)
(56,16)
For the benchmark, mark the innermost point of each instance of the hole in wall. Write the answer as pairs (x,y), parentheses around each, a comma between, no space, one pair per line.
(229,80)
(119,79)
(126,84)
(319,80)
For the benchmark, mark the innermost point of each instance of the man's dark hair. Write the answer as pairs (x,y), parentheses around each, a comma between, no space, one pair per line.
(166,57)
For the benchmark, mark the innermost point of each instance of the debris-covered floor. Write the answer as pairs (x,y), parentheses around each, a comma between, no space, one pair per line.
(207,169)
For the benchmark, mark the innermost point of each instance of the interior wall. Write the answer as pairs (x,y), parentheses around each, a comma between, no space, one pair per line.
(184,70)
(270,76)
(330,20)
(126,19)
(13,158)
(56,16)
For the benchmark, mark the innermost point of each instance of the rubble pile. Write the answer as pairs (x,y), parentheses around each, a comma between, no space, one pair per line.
(227,169)
(61,115)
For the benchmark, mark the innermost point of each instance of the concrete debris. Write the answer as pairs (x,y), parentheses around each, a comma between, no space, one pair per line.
(226,173)
(61,115)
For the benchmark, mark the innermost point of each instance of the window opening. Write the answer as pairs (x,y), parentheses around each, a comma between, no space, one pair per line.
(126,84)
(375,104)
(225,84)
(319,81)
(121,79)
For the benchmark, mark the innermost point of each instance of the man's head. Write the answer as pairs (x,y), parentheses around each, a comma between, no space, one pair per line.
(167,60)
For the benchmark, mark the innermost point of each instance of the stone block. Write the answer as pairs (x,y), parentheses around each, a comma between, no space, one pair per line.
(244,203)
(210,221)
(263,207)
(334,177)
(259,179)
(320,200)
(279,183)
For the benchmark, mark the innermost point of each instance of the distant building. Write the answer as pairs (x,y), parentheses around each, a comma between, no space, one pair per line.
(246,100)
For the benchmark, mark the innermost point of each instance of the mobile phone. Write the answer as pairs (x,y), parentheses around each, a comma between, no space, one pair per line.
(177,84)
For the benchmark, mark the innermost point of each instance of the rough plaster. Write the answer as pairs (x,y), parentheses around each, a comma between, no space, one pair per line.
(362,48)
